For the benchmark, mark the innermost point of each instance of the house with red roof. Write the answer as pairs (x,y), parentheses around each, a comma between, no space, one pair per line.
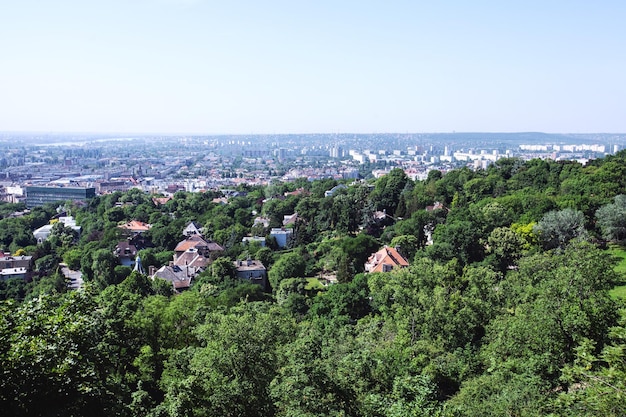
(385,260)
(208,249)
(135,227)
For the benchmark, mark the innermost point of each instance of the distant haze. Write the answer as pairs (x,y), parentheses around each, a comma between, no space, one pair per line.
(269,67)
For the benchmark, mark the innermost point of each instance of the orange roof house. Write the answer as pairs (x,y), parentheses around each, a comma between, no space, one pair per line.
(385,260)
(135,226)
(196,242)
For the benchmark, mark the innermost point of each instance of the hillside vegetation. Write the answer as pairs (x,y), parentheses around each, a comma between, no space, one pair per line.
(505,308)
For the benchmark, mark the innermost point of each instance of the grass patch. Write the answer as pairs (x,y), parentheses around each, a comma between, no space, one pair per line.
(620,289)
(313,284)
(619,292)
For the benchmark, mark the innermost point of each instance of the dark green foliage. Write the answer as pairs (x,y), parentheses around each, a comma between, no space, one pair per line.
(230,373)
(72,258)
(266,256)
(350,300)
(388,189)
(458,240)
(13,289)
(49,356)
(488,320)
(357,250)
(289,265)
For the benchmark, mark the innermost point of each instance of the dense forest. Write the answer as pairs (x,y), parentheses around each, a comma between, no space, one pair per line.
(505,309)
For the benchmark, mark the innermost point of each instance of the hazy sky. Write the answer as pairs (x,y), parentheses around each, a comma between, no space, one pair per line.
(229,66)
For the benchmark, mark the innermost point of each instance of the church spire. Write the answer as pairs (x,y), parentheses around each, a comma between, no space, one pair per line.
(138,266)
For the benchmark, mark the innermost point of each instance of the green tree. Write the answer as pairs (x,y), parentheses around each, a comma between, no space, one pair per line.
(289,265)
(506,246)
(388,189)
(48,355)
(357,250)
(223,270)
(346,300)
(557,228)
(47,264)
(612,219)
(230,374)
(555,301)
(72,258)
(266,256)
(457,239)
(407,244)
(103,267)
(596,381)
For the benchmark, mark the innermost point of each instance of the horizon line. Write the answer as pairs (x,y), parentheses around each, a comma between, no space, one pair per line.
(36,132)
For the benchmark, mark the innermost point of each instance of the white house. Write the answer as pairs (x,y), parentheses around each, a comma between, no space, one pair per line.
(43,232)
(283,236)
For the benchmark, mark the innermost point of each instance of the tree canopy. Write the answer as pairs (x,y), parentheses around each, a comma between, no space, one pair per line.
(505,308)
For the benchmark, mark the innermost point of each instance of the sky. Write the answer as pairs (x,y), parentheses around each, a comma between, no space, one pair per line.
(321,66)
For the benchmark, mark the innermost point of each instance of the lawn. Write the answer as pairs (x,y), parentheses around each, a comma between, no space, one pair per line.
(314,284)
(620,290)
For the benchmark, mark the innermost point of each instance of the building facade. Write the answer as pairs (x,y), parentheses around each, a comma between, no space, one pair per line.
(38,196)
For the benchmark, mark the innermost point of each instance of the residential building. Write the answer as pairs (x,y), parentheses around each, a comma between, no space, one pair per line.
(44,231)
(208,249)
(192,258)
(334,190)
(135,227)
(385,260)
(179,277)
(253,271)
(126,252)
(261,221)
(299,191)
(283,236)
(15,266)
(192,228)
(159,201)
(437,206)
(106,187)
(290,219)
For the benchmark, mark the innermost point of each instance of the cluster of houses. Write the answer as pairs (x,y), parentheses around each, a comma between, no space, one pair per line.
(192,256)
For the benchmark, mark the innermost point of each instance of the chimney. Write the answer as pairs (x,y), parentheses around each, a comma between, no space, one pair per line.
(151,270)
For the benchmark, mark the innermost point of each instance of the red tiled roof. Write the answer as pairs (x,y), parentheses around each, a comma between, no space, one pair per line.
(386,256)
(196,242)
(136,226)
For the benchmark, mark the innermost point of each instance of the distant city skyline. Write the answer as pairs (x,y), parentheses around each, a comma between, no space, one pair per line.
(280,67)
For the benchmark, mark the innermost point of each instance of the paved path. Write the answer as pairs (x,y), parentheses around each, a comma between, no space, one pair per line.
(75,277)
